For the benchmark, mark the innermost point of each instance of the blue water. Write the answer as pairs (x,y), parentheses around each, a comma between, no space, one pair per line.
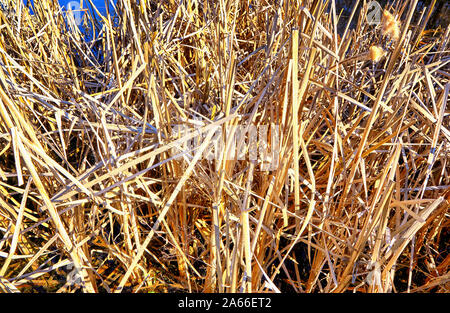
(89,34)
(74,6)
(78,11)
(100,4)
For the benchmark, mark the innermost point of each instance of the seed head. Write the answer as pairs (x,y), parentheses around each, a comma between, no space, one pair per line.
(388,17)
(390,26)
(376,53)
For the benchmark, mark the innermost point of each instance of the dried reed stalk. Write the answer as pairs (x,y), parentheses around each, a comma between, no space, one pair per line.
(106,128)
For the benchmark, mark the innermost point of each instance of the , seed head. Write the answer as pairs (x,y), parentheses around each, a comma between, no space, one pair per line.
(376,53)
(394,31)
(390,26)
(387,16)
